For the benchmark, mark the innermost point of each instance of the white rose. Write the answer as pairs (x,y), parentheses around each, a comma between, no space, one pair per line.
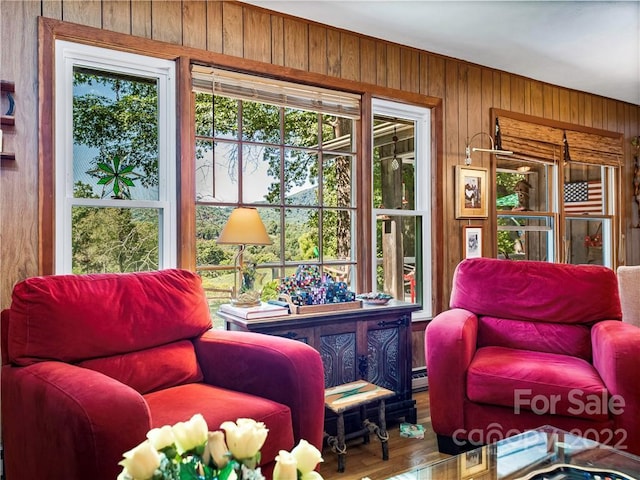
(311,476)
(216,449)
(190,434)
(286,467)
(141,461)
(307,456)
(161,437)
(245,437)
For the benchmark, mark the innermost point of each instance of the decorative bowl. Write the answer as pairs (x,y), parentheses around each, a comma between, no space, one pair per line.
(373,298)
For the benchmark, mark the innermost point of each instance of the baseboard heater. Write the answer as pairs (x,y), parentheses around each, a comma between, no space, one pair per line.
(419,379)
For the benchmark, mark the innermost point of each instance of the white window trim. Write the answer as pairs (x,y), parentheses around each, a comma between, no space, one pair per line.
(422,118)
(69,55)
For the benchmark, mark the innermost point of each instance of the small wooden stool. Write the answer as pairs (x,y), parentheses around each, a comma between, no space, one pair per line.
(351,395)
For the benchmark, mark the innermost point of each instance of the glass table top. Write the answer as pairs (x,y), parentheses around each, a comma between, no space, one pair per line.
(546,453)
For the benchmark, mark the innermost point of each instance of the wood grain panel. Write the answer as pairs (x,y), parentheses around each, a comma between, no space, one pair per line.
(565,105)
(505,91)
(166,21)
(52,9)
(232,29)
(317,49)
(574,102)
(19,178)
(116,16)
(277,40)
(437,79)
(194,19)
(296,41)
(350,56)
(423,73)
(518,92)
(537,103)
(381,64)
(214,26)
(141,18)
(333,53)
(84,13)
(393,66)
(368,57)
(409,70)
(257,43)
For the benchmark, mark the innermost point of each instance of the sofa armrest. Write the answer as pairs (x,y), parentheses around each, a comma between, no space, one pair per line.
(450,343)
(283,370)
(615,357)
(68,421)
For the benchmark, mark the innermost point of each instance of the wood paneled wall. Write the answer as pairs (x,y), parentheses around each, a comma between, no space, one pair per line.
(466,93)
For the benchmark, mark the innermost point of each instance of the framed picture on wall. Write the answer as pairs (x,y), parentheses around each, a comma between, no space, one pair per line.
(471,241)
(471,192)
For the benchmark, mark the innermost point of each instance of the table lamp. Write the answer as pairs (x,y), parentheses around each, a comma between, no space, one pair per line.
(244,227)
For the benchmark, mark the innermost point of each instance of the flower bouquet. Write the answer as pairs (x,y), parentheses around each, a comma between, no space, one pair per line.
(188,450)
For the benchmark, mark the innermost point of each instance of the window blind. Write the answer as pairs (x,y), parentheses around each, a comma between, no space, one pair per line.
(527,139)
(274,92)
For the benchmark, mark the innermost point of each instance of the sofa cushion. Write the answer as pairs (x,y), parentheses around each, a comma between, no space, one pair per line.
(536,291)
(572,340)
(545,383)
(71,318)
(152,369)
(219,405)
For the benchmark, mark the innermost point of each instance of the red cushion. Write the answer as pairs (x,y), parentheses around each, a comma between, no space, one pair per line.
(152,369)
(536,291)
(572,340)
(545,383)
(218,405)
(71,318)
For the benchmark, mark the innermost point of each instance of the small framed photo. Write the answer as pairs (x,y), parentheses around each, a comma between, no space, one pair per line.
(473,462)
(471,192)
(471,241)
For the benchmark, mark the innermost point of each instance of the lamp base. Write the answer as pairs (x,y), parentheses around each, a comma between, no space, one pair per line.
(250,298)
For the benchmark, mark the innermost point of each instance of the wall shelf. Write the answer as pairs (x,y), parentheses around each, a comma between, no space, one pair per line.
(7,156)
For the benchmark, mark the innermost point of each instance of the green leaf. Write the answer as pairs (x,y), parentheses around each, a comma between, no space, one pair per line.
(105,180)
(127,182)
(127,169)
(116,162)
(105,167)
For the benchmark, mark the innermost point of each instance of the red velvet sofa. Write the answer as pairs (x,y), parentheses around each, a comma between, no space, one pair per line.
(527,344)
(92,362)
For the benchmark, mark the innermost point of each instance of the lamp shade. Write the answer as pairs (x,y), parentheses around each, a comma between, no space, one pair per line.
(244,227)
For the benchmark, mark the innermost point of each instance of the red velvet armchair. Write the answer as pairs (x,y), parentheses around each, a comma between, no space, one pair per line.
(92,362)
(527,344)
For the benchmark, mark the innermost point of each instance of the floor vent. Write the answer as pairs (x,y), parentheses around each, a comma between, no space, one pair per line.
(419,379)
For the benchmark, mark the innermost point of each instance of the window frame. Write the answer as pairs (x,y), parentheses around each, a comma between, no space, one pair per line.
(69,55)
(421,116)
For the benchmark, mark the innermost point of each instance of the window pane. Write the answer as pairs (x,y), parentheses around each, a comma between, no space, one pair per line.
(583,189)
(300,128)
(337,185)
(115,135)
(217,171)
(114,239)
(260,122)
(585,241)
(260,174)
(336,234)
(525,238)
(393,165)
(337,134)
(301,234)
(204,115)
(397,256)
(225,117)
(301,177)
(522,186)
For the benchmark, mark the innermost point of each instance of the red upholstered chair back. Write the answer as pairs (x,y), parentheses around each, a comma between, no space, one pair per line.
(135,327)
(539,306)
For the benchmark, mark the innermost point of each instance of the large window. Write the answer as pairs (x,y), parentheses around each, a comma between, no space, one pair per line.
(288,151)
(401,202)
(115,161)
(556,194)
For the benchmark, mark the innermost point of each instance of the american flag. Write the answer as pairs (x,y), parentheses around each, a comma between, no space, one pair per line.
(583,197)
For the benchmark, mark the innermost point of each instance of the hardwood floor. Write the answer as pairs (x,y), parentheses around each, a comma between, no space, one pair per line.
(404,453)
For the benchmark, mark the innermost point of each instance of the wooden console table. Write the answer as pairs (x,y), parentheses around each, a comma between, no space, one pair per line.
(371,343)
